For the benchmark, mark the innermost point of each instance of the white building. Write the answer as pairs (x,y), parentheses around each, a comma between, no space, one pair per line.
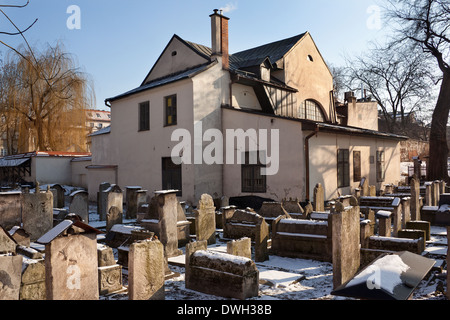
(283,87)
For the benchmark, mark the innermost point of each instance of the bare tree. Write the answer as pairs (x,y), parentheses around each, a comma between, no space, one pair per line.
(426,23)
(399,79)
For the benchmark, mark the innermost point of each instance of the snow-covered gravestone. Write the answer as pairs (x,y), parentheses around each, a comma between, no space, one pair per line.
(79,204)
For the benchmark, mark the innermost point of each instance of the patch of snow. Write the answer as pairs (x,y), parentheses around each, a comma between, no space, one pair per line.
(386,270)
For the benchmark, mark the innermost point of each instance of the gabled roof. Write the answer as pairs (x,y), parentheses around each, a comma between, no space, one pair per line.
(255,56)
(271,52)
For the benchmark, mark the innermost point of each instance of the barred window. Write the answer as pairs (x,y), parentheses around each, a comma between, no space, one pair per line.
(251,178)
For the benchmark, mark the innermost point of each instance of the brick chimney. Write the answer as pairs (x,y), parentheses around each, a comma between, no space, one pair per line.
(219,37)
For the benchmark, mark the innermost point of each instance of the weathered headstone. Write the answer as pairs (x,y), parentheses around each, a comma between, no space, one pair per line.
(109,273)
(58,195)
(7,242)
(428,194)
(241,247)
(205,220)
(146,270)
(319,205)
(102,199)
(345,243)
(20,236)
(71,263)
(406,211)
(114,198)
(364,186)
(131,201)
(372,191)
(79,204)
(10,276)
(10,209)
(37,213)
(33,280)
(114,216)
(415,199)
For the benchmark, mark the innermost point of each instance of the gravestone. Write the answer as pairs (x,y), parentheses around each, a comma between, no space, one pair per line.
(79,204)
(364,187)
(10,276)
(345,243)
(71,262)
(131,201)
(114,198)
(319,205)
(33,280)
(241,247)
(109,273)
(7,242)
(114,216)
(58,195)
(101,200)
(428,194)
(146,270)
(20,236)
(406,211)
(205,220)
(415,199)
(37,212)
(10,209)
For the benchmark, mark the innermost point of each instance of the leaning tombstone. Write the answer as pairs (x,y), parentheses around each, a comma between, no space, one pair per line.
(109,272)
(146,270)
(37,212)
(71,261)
(79,204)
(7,242)
(240,247)
(205,220)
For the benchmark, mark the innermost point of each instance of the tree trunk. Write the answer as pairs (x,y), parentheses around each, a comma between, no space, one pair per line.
(437,165)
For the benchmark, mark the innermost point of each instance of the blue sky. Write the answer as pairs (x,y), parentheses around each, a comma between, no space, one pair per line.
(119,41)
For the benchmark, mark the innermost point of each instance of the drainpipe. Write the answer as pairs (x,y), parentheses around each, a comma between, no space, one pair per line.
(316,131)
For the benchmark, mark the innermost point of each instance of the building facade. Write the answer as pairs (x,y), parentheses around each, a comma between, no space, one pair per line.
(183,127)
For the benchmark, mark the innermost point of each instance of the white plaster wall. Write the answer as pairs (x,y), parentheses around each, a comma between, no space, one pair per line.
(290,179)
(323,161)
(244,97)
(49,170)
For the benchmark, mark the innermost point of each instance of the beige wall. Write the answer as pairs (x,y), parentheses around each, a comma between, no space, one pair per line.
(323,161)
(244,97)
(312,78)
(80,173)
(289,181)
(169,64)
(50,170)
(363,115)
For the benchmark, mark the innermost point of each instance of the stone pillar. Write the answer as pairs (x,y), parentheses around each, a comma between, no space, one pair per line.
(10,276)
(365,233)
(205,220)
(345,243)
(319,205)
(79,204)
(167,211)
(146,270)
(415,199)
(37,213)
(435,187)
(71,267)
(428,194)
(406,211)
(131,201)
